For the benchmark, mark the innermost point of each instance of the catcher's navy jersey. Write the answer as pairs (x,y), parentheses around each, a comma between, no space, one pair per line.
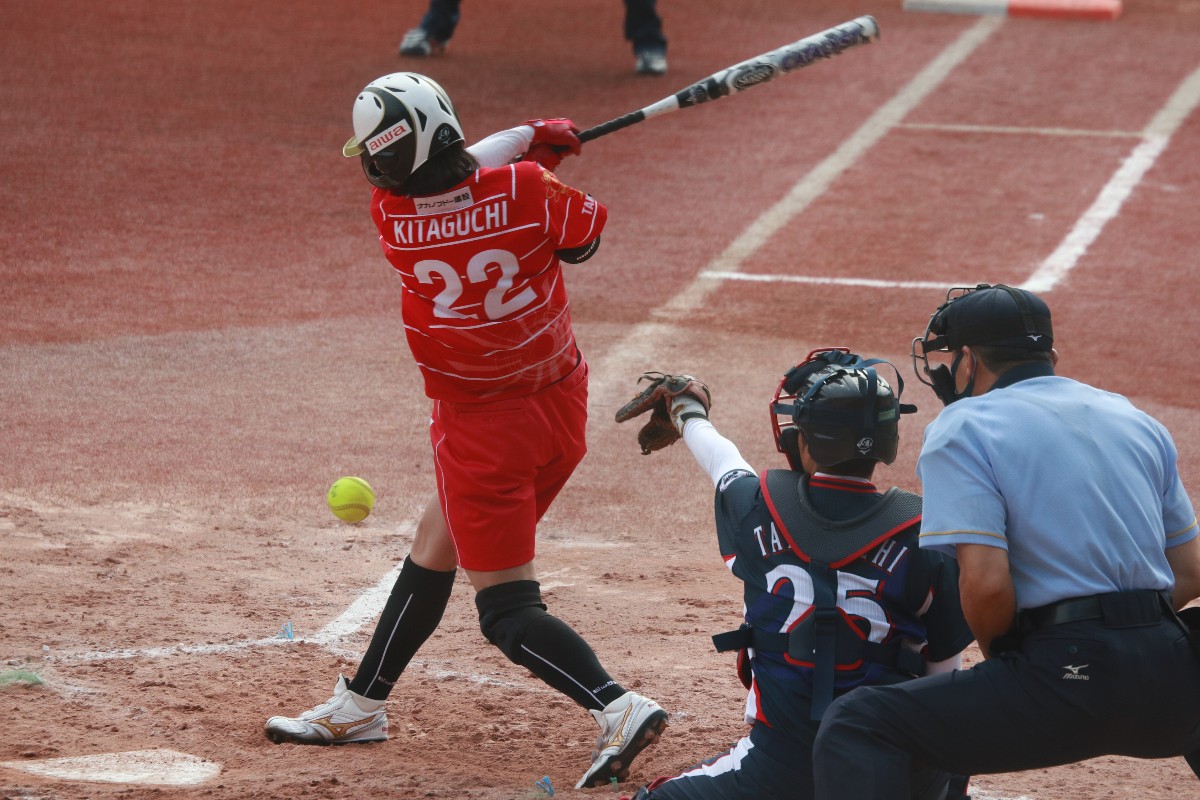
(893,592)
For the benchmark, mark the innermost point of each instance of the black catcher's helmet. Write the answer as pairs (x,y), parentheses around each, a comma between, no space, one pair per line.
(841,405)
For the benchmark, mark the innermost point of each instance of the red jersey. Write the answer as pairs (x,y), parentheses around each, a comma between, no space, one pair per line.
(485,309)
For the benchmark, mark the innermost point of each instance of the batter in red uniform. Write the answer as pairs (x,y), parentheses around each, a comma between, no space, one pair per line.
(478,236)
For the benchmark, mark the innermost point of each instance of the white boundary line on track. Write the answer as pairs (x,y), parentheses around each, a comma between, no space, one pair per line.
(364,609)
(1108,204)
(818,180)
(1153,141)
(871,282)
(1007,129)
(628,350)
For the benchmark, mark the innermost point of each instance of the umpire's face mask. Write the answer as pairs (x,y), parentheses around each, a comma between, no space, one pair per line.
(942,378)
(946,380)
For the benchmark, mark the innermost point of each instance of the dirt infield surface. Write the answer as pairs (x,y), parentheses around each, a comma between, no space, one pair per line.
(198,334)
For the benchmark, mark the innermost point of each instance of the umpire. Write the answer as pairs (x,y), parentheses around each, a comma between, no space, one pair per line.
(1076,543)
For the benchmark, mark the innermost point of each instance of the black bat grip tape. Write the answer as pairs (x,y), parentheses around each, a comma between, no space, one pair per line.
(632,118)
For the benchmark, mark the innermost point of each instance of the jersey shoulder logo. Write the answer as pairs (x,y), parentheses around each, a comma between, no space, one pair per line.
(450,201)
(556,187)
(731,476)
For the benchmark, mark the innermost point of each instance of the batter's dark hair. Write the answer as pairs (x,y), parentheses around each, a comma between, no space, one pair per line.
(441,173)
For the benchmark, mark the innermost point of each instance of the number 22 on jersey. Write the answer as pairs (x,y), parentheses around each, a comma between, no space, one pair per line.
(488,272)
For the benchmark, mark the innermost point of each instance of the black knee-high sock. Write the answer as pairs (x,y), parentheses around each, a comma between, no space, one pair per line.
(410,616)
(514,619)
(553,651)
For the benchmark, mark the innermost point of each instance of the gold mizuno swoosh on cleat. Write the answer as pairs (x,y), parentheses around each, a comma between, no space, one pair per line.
(619,739)
(341,729)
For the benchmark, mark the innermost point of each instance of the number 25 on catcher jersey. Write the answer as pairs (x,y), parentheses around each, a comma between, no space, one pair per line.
(485,310)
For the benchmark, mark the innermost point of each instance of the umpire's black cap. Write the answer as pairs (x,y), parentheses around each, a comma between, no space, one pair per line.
(995,316)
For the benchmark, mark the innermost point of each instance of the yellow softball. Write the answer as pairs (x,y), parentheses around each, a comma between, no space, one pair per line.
(350,499)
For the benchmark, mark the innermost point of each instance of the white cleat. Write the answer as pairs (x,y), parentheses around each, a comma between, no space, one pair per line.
(628,725)
(342,719)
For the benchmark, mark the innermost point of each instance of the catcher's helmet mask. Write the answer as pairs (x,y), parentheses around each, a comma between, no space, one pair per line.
(842,407)
(996,316)
(400,122)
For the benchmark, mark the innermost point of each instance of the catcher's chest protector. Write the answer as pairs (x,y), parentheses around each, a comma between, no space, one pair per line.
(824,545)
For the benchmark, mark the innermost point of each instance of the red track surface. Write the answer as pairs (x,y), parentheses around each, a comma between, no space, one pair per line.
(198,334)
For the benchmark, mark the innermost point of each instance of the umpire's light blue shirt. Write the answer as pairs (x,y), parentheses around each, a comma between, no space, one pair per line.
(1079,486)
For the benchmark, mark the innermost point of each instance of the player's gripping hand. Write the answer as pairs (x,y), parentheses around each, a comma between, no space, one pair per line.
(553,139)
(671,400)
(558,133)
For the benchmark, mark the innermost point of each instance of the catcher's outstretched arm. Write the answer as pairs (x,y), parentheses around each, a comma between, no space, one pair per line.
(715,454)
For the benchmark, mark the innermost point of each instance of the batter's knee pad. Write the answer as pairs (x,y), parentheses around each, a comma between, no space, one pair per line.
(506,610)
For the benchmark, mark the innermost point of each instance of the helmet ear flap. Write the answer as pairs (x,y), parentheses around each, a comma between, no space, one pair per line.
(373,167)
(789,444)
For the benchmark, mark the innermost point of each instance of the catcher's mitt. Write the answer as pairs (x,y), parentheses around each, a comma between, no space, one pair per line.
(661,429)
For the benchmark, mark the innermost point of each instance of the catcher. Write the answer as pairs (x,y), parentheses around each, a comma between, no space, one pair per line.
(837,593)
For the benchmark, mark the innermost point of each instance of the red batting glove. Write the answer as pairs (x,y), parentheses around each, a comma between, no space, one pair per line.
(546,155)
(558,133)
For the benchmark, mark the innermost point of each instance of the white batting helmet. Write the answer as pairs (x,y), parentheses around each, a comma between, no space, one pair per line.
(401,121)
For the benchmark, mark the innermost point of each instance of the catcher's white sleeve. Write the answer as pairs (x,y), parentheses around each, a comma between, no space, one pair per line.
(502,147)
(715,454)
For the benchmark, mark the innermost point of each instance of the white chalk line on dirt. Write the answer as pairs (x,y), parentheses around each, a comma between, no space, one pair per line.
(1072,133)
(1120,186)
(1154,140)
(364,609)
(629,350)
(873,283)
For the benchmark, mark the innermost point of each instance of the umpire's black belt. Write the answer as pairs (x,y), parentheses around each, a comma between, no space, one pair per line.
(1115,609)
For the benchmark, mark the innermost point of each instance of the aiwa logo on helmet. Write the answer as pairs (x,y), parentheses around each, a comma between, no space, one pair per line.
(388,137)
